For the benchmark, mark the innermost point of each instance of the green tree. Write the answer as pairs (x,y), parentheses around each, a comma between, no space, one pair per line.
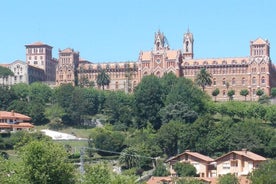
(97,173)
(103,79)
(215,93)
(184,169)
(160,169)
(4,73)
(129,157)
(259,93)
(203,78)
(185,91)
(40,93)
(46,162)
(228,179)
(168,137)
(178,112)
(244,92)
(265,173)
(230,94)
(148,101)
(273,92)
(22,91)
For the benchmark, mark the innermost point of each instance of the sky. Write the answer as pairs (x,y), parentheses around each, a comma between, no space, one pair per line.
(113,31)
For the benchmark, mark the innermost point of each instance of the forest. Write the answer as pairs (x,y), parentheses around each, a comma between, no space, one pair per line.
(161,118)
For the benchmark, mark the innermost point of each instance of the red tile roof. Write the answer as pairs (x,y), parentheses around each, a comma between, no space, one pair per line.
(13,115)
(194,154)
(245,153)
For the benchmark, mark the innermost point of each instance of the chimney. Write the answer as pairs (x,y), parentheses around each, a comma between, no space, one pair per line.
(12,112)
(244,150)
(187,150)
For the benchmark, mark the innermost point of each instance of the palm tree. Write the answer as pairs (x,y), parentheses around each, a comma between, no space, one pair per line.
(103,79)
(203,78)
(244,93)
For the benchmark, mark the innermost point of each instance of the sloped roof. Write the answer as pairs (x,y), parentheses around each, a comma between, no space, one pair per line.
(171,54)
(146,55)
(194,154)
(23,125)
(248,154)
(158,179)
(13,115)
(259,41)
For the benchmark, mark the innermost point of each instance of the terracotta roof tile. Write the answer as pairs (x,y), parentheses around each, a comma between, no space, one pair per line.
(146,55)
(171,54)
(13,115)
(248,154)
(158,179)
(259,41)
(195,154)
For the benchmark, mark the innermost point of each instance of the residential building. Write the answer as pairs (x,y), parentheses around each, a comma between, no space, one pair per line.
(203,164)
(12,121)
(239,163)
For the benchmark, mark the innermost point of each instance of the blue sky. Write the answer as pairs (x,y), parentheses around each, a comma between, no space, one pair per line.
(105,31)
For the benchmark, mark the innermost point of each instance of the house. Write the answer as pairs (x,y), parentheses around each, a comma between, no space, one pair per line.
(203,164)
(12,121)
(160,180)
(240,163)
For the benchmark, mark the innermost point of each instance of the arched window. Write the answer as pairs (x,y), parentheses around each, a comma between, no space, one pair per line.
(223,82)
(116,85)
(254,80)
(224,62)
(243,81)
(263,80)
(158,74)
(145,73)
(214,81)
(233,81)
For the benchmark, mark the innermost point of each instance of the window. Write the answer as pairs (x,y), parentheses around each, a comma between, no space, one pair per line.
(254,80)
(214,81)
(223,82)
(116,85)
(226,165)
(35,62)
(263,80)
(233,81)
(224,93)
(243,81)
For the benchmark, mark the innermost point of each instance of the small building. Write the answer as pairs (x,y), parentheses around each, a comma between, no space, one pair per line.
(202,163)
(12,121)
(240,163)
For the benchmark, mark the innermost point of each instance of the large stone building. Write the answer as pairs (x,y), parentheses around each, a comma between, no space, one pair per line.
(39,55)
(252,72)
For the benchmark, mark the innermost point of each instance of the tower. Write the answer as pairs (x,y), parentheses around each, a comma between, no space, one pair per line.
(259,47)
(160,41)
(188,45)
(68,62)
(39,55)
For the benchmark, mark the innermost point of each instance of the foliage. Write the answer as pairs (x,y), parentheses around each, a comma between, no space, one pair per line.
(160,169)
(148,101)
(265,173)
(215,93)
(184,169)
(185,91)
(203,78)
(168,137)
(5,72)
(259,92)
(103,79)
(46,162)
(273,92)
(178,112)
(130,157)
(244,92)
(228,179)
(109,141)
(101,173)
(230,94)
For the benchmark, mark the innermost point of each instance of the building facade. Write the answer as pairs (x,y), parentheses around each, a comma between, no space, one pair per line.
(23,73)
(252,72)
(39,55)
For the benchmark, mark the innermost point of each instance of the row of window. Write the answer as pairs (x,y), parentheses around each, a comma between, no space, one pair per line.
(195,63)
(243,81)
